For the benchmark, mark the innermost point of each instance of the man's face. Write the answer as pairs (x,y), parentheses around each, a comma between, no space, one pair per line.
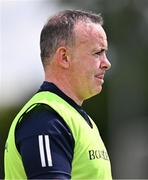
(88,59)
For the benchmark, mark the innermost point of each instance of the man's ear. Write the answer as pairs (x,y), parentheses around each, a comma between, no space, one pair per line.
(62,57)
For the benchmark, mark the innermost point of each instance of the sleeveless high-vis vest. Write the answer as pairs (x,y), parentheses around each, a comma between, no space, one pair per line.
(90,160)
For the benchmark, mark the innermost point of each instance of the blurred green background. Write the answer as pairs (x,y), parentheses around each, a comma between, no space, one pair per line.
(120,111)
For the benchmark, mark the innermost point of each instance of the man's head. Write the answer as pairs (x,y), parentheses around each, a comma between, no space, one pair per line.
(73,48)
(59,31)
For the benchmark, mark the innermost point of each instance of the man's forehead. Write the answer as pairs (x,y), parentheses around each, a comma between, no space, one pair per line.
(85,32)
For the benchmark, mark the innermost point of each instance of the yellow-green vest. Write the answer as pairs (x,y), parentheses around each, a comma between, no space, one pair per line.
(90,160)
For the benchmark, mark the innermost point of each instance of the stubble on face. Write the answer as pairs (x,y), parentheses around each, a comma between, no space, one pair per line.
(89,37)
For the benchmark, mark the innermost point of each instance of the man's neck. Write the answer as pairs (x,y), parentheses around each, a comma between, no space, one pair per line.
(64,85)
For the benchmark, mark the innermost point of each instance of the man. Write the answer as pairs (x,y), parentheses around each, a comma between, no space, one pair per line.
(52,137)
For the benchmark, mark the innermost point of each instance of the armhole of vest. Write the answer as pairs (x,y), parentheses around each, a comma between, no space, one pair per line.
(33,106)
(19,120)
(26,111)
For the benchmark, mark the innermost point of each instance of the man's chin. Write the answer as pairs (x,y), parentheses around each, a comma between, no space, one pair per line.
(95,92)
(99,89)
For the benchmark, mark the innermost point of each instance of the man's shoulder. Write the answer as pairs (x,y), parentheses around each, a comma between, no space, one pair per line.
(42,128)
(40,120)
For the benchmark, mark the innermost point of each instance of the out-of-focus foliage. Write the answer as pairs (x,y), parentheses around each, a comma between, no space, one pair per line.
(126,120)
(121,110)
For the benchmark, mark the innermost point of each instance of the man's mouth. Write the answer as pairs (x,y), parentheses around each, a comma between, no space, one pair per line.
(100,77)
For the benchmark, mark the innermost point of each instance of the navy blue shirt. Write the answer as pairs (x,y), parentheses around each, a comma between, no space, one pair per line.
(44,140)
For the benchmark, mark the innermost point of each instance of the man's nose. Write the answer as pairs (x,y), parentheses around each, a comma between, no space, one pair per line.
(106,65)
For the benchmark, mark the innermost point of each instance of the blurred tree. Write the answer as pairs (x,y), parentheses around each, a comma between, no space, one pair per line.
(126,24)
(121,110)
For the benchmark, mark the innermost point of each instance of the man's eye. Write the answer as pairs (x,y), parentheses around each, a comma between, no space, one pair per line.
(100,52)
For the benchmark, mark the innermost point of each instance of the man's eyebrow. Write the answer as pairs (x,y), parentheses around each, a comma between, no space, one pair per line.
(101,49)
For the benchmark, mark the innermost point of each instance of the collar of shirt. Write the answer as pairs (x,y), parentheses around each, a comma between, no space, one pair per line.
(49,86)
